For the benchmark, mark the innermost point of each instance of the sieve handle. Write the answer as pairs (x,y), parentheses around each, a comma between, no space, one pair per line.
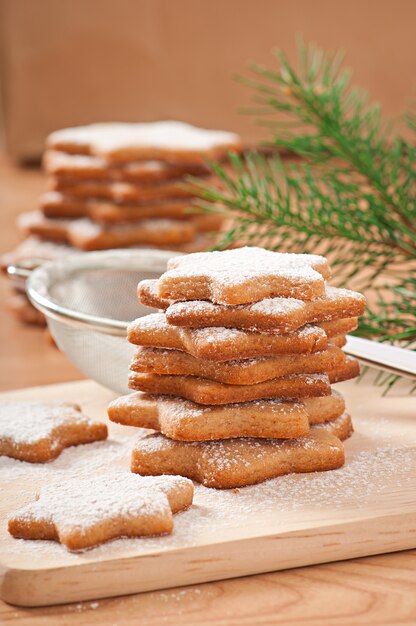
(401,361)
(23,269)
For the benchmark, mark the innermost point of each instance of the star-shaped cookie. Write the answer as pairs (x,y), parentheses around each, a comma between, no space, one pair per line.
(224,344)
(278,315)
(166,140)
(229,463)
(184,420)
(82,513)
(244,275)
(38,432)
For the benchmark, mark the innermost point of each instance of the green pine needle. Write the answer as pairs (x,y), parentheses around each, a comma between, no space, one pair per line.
(351,196)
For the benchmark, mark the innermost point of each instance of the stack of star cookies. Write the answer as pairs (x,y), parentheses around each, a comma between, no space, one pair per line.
(119,185)
(115,185)
(237,370)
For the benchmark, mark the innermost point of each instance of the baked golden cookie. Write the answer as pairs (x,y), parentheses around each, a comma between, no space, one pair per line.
(82,513)
(175,142)
(38,432)
(239,372)
(339,341)
(349,369)
(231,463)
(35,223)
(278,314)
(122,192)
(205,391)
(339,327)
(324,408)
(85,234)
(223,344)
(187,421)
(80,167)
(177,209)
(243,275)
(55,204)
(340,427)
(205,222)
(88,235)
(111,213)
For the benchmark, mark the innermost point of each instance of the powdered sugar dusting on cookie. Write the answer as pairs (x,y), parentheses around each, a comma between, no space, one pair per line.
(234,266)
(85,502)
(29,422)
(84,512)
(276,306)
(178,408)
(166,135)
(375,469)
(151,321)
(73,461)
(87,228)
(243,275)
(60,160)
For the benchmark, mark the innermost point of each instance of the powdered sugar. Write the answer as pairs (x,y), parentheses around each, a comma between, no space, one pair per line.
(78,504)
(151,321)
(279,306)
(226,452)
(60,160)
(214,335)
(281,315)
(105,138)
(78,460)
(235,267)
(178,408)
(29,422)
(88,228)
(376,471)
(31,219)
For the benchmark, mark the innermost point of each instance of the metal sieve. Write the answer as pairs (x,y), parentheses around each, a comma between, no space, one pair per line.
(88,301)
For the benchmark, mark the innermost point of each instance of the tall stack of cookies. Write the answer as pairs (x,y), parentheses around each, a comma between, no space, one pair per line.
(236,373)
(123,185)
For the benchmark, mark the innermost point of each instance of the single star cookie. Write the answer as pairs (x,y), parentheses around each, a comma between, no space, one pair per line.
(83,167)
(223,344)
(279,315)
(230,463)
(38,432)
(228,344)
(238,372)
(187,421)
(171,141)
(205,391)
(82,513)
(85,234)
(244,275)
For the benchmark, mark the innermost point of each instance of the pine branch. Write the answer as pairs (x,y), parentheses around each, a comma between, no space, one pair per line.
(352,197)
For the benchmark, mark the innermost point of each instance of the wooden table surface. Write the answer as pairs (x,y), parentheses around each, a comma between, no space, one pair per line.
(367,592)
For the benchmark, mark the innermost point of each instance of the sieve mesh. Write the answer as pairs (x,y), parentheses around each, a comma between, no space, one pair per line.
(88,300)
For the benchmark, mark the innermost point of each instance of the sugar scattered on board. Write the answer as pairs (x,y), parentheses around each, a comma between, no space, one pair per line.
(29,422)
(378,469)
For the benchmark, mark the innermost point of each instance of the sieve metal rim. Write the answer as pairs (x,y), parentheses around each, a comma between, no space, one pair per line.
(42,278)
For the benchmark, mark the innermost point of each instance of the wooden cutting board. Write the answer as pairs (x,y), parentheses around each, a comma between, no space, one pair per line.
(367,507)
